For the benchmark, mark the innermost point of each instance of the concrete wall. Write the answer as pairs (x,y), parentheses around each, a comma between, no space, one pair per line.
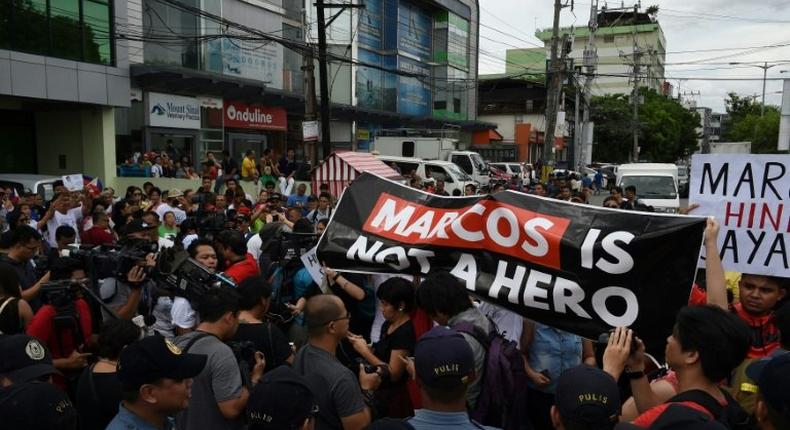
(506,124)
(85,139)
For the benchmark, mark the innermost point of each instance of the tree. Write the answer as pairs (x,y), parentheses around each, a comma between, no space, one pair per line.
(667,130)
(746,123)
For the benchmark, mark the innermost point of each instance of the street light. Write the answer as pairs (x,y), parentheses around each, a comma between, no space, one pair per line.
(765,68)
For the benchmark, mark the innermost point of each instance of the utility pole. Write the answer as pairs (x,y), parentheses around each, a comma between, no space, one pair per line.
(308,67)
(553,91)
(637,57)
(326,137)
(765,75)
(590,63)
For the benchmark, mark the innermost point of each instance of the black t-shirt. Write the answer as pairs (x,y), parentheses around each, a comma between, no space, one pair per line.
(97,403)
(26,273)
(229,165)
(268,339)
(403,338)
(361,315)
(10,323)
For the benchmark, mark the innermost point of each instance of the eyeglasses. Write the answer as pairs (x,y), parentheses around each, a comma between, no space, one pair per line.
(347,317)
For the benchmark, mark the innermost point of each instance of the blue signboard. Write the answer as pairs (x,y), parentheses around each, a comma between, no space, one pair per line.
(370,24)
(370,83)
(414,93)
(414,30)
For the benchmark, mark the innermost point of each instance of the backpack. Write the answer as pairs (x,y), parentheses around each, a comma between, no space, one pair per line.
(503,395)
(733,416)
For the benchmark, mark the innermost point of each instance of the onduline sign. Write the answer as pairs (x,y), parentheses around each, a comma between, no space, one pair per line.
(242,115)
(579,268)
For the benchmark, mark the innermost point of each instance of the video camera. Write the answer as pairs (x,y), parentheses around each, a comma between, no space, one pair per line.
(108,261)
(185,277)
(61,293)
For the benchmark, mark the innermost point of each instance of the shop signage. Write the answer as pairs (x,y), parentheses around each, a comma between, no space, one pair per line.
(167,110)
(210,102)
(242,115)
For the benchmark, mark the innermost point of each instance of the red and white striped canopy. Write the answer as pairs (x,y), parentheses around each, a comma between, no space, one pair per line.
(340,168)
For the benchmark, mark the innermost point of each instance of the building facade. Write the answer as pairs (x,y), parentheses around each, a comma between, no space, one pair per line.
(62,74)
(615,38)
(238,65)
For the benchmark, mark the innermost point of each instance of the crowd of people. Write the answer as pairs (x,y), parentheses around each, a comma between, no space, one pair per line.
(270,347)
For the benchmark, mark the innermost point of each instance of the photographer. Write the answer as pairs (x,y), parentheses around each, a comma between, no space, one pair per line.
(64,323)
(128,296)
(25,244)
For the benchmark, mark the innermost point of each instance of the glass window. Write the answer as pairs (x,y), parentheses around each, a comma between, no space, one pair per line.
(64,21)
(77,30)
(97,41)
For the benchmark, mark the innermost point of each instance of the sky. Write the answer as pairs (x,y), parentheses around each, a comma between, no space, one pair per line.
(688,25)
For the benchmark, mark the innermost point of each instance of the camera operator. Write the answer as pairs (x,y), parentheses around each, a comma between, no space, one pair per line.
(25,244)
(239,264)
(183,314)
(65,235)
(64,323)
(127,297)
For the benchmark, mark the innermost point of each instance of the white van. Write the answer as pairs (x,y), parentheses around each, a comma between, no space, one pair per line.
(43,185)
(656,184)
(454,178)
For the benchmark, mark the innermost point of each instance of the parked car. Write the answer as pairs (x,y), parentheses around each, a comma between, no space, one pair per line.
(453,177)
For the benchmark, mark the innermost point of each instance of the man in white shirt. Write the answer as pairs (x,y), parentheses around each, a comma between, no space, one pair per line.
(172,206)
(64,211)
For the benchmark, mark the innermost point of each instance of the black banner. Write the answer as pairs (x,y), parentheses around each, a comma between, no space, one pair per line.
(578,268)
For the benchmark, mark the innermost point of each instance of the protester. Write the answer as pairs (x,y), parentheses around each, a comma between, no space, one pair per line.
(395,343)
(343,400)
(15,313)
(239,263)
(550,352)
(299,199)
(168,227)
(219,395)
(254,297)
(281,400)
(705,346)
(156,377)
(445,300)
(249,172)
(99,391)
(323,211)
(25,244)
(444,367)
(357,296)
(100,233)
(64,210)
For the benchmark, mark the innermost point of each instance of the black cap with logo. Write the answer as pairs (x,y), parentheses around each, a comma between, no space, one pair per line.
(36,406)
(281,400)
(24,358)
(588,395)
(153,358)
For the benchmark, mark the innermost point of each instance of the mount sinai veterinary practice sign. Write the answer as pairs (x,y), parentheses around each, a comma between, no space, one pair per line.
(167,110)
(575,267)
(242,115)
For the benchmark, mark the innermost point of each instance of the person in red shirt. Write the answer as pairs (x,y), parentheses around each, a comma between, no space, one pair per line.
(239,264)
(66,338)
(758,296)
(99,234)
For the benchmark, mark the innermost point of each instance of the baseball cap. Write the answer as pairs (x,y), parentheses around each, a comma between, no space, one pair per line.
(587,394)
(443,358)
(676,416)
(24,358)
(36,405)
(282,399)
(136,226)
(154,358)
(773,377)
(275,196)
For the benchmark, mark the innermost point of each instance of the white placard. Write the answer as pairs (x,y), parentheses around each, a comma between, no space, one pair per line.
(749,195)
(310,260)
(168,110)
(73,182)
